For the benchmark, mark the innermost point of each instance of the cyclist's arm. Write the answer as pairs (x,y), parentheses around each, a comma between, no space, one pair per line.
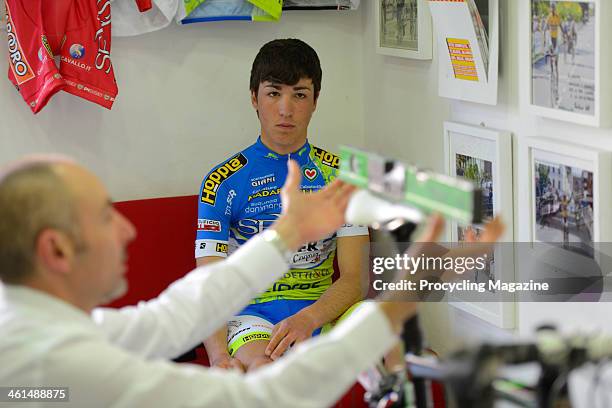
(216,344)
(349,288)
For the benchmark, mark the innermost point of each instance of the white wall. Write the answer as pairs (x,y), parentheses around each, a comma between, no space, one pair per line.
(404,119)
(183,103)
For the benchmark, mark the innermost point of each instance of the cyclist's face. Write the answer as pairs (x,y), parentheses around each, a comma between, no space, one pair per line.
(284,112)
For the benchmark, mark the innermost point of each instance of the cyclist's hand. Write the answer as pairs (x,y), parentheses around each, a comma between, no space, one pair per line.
(227,362)
(292,330)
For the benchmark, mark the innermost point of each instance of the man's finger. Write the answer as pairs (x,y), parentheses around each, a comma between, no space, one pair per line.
(435,225)
(343,196)
(294,177)
(493,230)
(282,346)
(469,235)
(330,189)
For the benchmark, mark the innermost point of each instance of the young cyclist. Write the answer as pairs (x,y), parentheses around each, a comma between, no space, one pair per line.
(241,197)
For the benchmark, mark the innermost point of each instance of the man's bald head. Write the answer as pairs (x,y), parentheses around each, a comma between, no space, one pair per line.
(34,196)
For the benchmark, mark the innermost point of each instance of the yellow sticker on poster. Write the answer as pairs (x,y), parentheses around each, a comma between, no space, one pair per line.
(462,59)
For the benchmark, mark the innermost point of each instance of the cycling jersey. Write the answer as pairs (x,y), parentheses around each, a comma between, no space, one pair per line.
(195,11)
(241,197)
(76,31)
(554,21)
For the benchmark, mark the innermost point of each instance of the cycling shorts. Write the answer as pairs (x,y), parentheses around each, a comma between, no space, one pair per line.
(256,321)
(76,31)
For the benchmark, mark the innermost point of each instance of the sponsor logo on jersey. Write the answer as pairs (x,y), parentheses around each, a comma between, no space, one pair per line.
(17,60)
(221,248)
(309,247)
(217,177)
(279,287)
(77,51)
(264,193)
(308,257)
(256,336)
(45,43)
(230,198)
(310,173)
(102,37)
(75,63)
(202,245)
(326,157)
(260,181)
(250,226)
(311,189)
(209,225)
(234,324)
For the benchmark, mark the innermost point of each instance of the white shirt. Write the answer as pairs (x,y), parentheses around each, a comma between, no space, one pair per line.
(117,358)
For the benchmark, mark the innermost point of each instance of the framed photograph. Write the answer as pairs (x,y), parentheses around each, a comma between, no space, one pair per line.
(403,28)
(484,156)
(467,38)
(565,60)
(567,194)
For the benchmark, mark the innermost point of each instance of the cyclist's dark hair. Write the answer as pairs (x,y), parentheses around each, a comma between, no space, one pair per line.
(286,61)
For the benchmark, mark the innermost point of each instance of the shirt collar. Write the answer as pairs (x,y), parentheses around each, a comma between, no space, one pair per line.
(301,155)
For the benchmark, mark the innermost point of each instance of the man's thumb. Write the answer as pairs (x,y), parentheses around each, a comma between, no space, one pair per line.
(294,178)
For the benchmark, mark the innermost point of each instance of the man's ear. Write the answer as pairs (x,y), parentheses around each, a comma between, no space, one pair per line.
(316,99)
(55,250)
(254,99)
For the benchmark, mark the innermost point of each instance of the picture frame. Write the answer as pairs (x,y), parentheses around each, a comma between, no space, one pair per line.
(467,43)
(564,62)
(557,248)
(484,156)
(415,39)
(580,173)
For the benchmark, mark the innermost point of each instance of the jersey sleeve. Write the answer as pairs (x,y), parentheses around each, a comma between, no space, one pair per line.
(352,230)
(213,224)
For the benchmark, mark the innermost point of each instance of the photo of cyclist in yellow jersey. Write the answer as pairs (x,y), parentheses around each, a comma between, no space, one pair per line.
(567,27)
(553,22)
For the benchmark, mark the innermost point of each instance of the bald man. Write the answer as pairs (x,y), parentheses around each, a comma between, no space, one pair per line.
(62,253)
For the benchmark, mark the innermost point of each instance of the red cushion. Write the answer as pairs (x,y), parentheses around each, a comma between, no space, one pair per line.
(163,251)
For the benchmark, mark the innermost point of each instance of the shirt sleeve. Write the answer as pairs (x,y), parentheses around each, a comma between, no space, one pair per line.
(214,216)
(315,374)
(193,307)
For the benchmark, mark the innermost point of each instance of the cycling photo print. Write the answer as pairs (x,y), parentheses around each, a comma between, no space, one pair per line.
(563,40)
(403,28)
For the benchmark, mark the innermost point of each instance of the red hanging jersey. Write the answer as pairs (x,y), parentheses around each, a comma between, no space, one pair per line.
(76,31)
